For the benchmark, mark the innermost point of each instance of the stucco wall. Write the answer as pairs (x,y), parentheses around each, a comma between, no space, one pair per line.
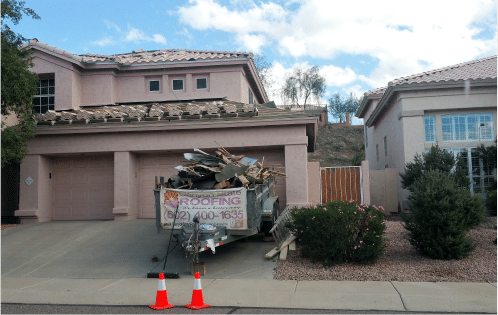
(64,74)
(287,145)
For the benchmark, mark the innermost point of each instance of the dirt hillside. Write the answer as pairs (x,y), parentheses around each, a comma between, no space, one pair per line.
(337,144)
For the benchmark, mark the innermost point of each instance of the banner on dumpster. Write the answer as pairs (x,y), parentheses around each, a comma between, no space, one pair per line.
(224,207)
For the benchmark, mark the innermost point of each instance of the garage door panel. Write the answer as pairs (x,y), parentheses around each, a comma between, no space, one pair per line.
(85,190)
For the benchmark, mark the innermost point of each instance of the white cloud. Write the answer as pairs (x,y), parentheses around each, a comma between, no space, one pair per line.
(132,35)
(136,35)
(106,41)
(404,37)
(337,76)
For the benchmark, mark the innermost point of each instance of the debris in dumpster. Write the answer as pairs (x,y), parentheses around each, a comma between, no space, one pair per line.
(223,170)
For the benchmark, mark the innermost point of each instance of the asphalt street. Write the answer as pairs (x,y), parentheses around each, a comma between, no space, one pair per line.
(98,309)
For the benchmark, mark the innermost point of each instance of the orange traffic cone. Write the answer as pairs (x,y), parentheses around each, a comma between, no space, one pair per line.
(162,296)
(197,299)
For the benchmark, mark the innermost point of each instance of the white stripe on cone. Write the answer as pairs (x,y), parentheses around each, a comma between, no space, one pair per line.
(161,286)
(197,284)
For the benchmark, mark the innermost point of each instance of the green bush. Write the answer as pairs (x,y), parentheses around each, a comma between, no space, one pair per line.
(339,231)
(434,159)
(440,216)
(491,201)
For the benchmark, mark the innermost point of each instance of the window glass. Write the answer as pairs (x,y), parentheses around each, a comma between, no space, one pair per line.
(44,99)
(430,128)
(153,86)
(385,146)
(468,127)
(177,85)
(251,97)
(377,149)
(201,83)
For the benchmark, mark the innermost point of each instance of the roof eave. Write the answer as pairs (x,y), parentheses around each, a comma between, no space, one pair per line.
(393,90)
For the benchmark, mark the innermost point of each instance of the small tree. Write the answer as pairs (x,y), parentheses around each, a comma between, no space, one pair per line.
(338,106)
(488,157)
(264,72)
(304,83)
(438,220)
(18,85)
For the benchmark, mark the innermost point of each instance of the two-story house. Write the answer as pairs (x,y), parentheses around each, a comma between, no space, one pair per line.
(111,123)
(453,107)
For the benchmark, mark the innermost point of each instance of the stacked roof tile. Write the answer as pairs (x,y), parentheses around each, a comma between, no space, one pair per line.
(141,56)
(165,55)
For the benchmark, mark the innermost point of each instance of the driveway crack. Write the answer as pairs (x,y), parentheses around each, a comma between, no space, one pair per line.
(400,296)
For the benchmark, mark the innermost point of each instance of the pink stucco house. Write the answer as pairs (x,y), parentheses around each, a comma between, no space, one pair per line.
(454,107)
(110,124)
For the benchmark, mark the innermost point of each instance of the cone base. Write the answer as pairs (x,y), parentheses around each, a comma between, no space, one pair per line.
(196,307)
(161,307)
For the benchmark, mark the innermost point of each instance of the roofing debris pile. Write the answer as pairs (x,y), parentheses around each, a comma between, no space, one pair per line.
(151,112)
(223,170)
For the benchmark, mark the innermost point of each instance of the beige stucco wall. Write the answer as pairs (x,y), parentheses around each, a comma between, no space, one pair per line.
(290,140)
(98,89)
(65,75)
(403,124)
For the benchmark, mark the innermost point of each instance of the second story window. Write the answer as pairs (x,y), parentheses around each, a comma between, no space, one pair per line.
(385,146)
(251,97)
(177,85)
(467,127)
(154,86)
(44,99)
(430,128)
(201,83)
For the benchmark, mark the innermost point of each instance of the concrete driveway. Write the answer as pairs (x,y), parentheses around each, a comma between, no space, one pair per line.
(119,250)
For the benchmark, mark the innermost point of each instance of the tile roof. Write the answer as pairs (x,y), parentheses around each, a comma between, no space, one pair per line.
(164,55)
(484,68)
(141,56)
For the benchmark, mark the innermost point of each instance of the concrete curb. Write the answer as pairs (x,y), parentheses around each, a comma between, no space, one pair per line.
(345,295)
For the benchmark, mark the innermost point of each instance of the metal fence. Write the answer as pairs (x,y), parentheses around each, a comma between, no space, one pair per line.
(341,183)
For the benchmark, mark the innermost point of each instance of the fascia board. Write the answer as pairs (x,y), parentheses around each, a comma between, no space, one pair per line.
(56,55)
(393,90)
(150,126)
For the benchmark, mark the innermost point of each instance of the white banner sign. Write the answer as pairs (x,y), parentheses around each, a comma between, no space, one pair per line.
(224,207)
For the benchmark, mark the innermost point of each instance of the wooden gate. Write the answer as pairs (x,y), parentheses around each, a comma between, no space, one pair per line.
(341,183)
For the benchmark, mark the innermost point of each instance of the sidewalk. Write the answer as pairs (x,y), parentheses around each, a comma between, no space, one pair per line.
(345,295)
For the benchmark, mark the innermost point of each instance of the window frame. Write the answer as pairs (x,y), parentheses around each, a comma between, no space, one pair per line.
(377,149)
(430,123)
(385,145)
(173,85)
(197,83)
(467,127)
(158,86)
(49,96)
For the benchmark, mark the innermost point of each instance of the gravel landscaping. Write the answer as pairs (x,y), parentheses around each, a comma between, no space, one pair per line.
(401,262)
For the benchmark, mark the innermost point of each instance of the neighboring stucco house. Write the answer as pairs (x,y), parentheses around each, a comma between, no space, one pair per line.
(453,107)
(110,124)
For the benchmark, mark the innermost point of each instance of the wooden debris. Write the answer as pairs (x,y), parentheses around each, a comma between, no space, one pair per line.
(292,246)
(283,253)
(272,253)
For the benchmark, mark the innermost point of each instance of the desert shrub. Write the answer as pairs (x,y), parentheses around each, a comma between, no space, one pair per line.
(339,231)
(359,157)
(434,159)
(440,216)
(491,201)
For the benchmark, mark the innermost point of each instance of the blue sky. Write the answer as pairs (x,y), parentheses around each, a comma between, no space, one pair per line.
(358,45)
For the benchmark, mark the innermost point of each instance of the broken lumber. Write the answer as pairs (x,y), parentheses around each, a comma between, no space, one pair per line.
(283,253)
(272,253)
(292,246)
(289,240)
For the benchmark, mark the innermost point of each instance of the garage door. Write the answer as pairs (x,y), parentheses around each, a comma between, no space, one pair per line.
(83,188)
(150,166)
